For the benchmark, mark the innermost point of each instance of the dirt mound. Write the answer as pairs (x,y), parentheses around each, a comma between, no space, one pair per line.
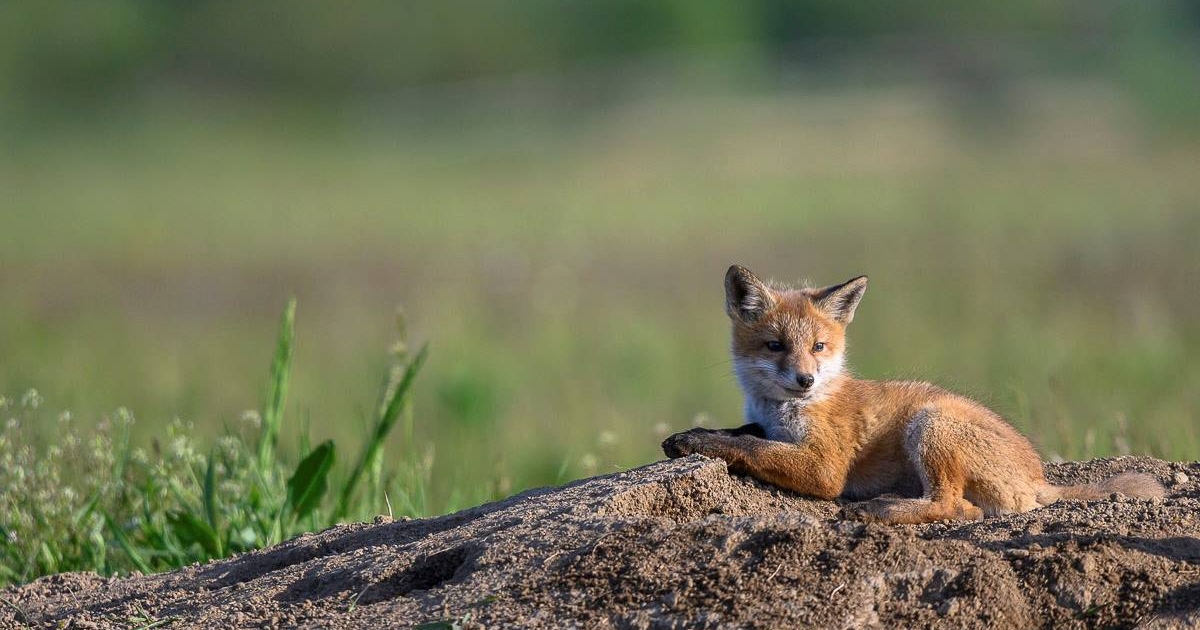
(684,544)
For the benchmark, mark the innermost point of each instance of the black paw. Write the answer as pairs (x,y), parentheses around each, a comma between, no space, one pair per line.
(686,443)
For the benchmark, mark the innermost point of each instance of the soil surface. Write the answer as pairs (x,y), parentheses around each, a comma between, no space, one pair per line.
(684,544)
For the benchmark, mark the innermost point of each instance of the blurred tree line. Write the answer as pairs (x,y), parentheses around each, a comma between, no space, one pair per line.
(71,55)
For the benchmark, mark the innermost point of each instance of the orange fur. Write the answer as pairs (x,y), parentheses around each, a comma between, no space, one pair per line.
(923,453)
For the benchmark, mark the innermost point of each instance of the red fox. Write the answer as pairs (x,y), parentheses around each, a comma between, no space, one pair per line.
(923,453)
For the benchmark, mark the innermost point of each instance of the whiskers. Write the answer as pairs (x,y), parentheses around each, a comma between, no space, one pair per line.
(726,362)
(756,376)
(727,367)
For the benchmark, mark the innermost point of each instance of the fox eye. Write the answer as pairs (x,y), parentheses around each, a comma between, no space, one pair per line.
(775,346)
(819,346)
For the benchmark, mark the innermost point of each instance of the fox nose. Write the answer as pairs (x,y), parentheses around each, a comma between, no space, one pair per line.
(804,380)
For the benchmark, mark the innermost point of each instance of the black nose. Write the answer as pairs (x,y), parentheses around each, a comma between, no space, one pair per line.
(804,380)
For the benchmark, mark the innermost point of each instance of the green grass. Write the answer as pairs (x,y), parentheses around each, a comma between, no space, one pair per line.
(180,503)
(567,270)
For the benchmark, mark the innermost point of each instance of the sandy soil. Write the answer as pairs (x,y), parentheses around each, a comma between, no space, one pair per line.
(684,544)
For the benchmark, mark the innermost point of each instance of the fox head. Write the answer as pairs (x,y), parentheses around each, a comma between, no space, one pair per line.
(788,343)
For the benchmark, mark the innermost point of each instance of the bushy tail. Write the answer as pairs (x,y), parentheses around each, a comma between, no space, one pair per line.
(1129,484)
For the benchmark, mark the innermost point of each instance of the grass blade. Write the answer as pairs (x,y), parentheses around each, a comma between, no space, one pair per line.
(388,415)
(272,416)
(189,529)
(308,484)
(210,492)
(21,616)
(127,547)
(209,497)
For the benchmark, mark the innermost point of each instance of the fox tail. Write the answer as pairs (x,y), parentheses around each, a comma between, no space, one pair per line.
(1130,484)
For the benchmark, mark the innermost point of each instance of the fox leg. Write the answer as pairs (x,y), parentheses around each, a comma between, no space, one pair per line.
(934,447)
(893,511)
(798,467)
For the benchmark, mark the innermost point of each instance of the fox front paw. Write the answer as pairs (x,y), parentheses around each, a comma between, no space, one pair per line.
(689,442)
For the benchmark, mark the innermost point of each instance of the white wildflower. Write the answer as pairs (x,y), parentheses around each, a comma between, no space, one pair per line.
(31,399)
(124,417)
(251,418)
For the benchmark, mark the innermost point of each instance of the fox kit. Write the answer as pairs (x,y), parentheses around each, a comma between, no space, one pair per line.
(923,453)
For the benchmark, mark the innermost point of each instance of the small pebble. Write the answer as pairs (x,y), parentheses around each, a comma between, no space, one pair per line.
(1179,478)
(947,607)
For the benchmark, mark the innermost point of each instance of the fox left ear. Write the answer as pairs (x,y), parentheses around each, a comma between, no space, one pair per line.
(840,300)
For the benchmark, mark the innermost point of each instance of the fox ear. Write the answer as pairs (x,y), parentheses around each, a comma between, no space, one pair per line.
(840,300)
(746,297)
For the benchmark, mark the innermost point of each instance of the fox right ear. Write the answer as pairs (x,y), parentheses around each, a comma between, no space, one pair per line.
(746,297)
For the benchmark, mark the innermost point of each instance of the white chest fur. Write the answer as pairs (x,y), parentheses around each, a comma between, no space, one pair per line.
(781,420)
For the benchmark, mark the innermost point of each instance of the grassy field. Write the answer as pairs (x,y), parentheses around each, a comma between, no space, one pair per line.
(566,270)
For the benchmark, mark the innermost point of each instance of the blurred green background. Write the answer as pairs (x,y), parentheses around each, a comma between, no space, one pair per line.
(553,190)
